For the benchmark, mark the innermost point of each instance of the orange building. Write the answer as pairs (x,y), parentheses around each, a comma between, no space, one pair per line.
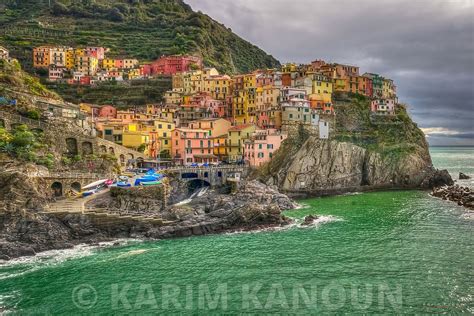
(41,56)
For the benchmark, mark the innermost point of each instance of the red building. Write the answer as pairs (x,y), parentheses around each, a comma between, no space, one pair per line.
(145,70)
(170,65)
(286,79)
(85,80)
(365,86)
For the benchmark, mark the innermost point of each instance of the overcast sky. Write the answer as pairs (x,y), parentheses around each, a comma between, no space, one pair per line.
(426,46)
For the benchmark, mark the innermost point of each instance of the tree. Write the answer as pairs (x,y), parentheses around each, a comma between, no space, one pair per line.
(22,138)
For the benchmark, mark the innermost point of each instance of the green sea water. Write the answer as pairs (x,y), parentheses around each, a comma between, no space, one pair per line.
(384,253)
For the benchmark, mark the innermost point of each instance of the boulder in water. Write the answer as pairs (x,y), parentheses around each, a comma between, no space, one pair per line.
(308,220)
(463,176)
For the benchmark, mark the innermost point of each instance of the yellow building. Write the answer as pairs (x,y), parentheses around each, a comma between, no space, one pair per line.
(250,87)
(219,87)
(289,67)
(78,52)
(388,89)
(238,106)
(220,146)
(136,139)
(130,63)
(235,140)
(177,81)
(163,130)
(174,96)
(341,85)
(70,59)
(321,90)
(133,74)
(108,63)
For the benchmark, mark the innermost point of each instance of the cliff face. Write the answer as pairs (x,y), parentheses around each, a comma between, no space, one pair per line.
(365,153)
(325,166)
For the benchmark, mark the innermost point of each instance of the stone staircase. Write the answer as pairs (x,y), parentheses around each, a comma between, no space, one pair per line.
(77,206)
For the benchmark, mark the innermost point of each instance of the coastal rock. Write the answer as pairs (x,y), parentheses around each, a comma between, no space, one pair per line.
(463,196)
(463,176)
(437,178)
(308,220)
(324,167)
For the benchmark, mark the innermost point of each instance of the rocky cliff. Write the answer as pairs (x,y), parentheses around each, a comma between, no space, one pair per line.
(366,152)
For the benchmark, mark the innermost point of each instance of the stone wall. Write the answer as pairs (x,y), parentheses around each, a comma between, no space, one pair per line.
(138,200)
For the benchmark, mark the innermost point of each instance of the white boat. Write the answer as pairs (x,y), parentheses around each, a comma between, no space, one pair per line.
(94,184)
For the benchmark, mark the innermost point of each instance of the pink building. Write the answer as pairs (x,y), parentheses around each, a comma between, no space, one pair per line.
(107,111)
(170,65)
(192,146)
(260,148)
(383,106)
(217,108)
(97,52)
(264,80)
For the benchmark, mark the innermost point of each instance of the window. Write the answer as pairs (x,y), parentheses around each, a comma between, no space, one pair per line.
(166,142)
(108,132)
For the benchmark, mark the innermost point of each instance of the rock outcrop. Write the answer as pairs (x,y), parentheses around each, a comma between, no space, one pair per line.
(321,167)
(463,196)
(463,176)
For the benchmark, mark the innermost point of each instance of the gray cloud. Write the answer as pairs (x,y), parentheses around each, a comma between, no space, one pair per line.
(426,46)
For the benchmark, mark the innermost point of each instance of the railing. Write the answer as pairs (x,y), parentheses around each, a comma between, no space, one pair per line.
(199,168)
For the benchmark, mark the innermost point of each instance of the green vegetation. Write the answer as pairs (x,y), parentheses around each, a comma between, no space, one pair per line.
(121,94)
(12,76)
(145,29)
(392,136)
(25,145)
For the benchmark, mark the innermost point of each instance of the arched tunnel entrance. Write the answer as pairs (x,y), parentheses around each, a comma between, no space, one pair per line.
(57,189)
(197,184)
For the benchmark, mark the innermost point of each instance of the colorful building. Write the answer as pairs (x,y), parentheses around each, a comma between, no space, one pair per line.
(87,65)
(377,84)
(236,138)
(261,146)
(170,65)
(42,57)
(383,106)
(192,146)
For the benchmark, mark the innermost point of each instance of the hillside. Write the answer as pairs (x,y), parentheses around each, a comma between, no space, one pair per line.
(28,138)
(145,29)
